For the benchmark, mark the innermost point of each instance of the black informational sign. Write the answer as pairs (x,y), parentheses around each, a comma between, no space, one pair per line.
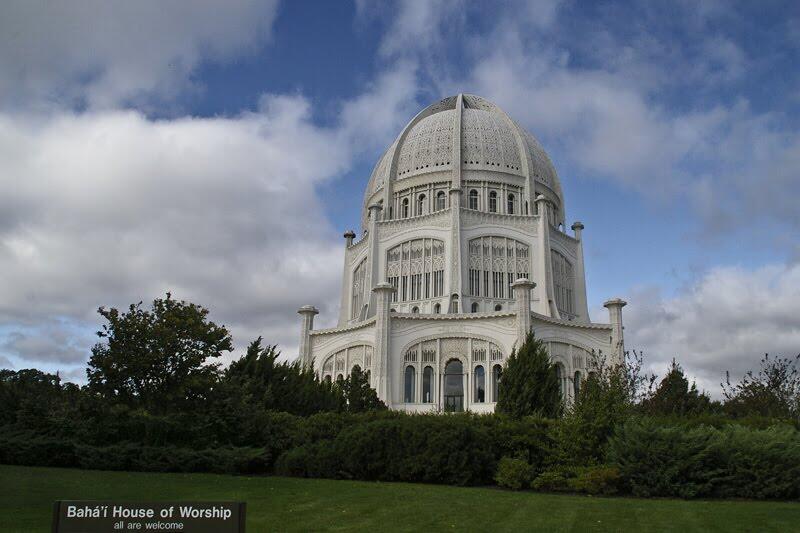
(90,516)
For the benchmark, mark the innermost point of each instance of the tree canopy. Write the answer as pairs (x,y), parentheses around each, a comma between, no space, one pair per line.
(529,385)
(159,358)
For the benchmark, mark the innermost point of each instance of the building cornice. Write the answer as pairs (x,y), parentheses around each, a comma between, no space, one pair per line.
(354,327)
(570,323)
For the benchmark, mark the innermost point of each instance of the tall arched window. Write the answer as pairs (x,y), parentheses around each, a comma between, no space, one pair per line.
(416,270)
(497,371)
(421,204)
(437,309)
(441,200)
(427,385)
(576,384)
(340,379)
(563,281)
(454,386)
(510,204)
(357,296)
(480,384)
(405,208)
(474,307)
(409,388)
(493,202)
(494,264)
(473,199)
(560,377)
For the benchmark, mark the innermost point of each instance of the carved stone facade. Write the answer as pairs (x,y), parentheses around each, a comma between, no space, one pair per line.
(463,252)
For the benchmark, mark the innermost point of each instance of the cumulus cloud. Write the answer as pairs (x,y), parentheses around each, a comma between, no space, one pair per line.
(48,343)
(725,321)
(111,208)
(102,54)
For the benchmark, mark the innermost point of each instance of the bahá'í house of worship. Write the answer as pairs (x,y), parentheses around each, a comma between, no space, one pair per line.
(463,250)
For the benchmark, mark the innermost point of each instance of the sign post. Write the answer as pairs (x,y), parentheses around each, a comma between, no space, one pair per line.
(92,516)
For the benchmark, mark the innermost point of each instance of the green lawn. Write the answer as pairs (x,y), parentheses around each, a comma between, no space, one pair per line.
(287,504)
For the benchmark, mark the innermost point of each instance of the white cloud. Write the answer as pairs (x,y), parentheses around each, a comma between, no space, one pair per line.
(111,208)
(105,53)
(49,343)
(727,320)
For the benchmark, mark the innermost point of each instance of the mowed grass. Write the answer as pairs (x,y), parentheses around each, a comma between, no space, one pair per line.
(289,504)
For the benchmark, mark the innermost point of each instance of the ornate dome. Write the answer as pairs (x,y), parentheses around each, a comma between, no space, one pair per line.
(490,141)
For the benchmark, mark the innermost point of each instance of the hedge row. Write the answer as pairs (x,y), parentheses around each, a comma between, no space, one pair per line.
(732,461)
(645,457)
(49,451)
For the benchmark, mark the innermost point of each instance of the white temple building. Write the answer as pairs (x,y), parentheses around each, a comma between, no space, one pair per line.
(463,251)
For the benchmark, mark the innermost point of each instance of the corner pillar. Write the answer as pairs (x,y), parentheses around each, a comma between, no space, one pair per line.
(383,324)
(546,304)
(522,293)
(580,275)
(307,312)
(373,261)
(617,338)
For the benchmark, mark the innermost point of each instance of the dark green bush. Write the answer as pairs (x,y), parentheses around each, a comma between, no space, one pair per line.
(600,479)
(665,461)
(513,473)
(758,463)
(734,461)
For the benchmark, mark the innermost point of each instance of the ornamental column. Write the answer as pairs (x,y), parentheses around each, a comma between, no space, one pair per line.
(522,293)
(372,275)
(546,305)
(383,324)
(581,305)
(345,313)
(455,213)
(617,339)
(306,325)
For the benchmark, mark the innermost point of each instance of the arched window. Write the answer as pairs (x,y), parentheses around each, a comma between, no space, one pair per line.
(357,296)
(415,309)
(473,199)
(340,378)
(409,388)
(474,307)
(427,385)
(576,384)
(498,307)
(405,208)
(352,371)
(421,204)
(494,264)
(437,309)
(441,200)
(560,376)
(497,371)
(493,202)
(510,204)
(454,386)
(563,283)
(480,384)
(415,269)
(328,380)
(454,303)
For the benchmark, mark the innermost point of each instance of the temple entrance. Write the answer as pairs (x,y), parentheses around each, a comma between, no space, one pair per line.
(454,387)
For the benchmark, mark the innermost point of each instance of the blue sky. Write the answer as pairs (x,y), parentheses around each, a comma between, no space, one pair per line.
(219,151)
